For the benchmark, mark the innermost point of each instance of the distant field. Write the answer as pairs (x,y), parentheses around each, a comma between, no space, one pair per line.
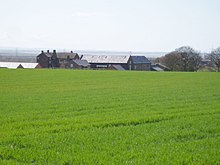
(109,117)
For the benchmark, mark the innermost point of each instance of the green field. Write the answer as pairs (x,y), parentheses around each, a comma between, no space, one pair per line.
(109,117)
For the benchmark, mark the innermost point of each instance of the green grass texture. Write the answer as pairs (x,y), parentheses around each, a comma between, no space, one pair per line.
(109,117)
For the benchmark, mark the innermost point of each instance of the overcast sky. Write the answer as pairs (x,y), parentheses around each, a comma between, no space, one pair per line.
(126,25)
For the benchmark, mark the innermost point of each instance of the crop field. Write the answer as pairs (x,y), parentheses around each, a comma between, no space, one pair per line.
(109,117)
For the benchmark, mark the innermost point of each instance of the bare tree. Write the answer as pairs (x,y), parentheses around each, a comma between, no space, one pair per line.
(182,59)
(195,61)
(172,60)
(214,56)
(191,58)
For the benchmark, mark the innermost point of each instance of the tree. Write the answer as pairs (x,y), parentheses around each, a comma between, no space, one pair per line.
(191,58)
(172,60)
(214,56)
(195,61)
(182,59)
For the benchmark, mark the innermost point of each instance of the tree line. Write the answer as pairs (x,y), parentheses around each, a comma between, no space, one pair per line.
(187,59)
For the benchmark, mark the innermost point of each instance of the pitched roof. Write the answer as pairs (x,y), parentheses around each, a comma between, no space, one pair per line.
(49,54)
(29,65)
(140,60)
(66,55)
(83,63)
(106,59)
(14,65)
(10,65)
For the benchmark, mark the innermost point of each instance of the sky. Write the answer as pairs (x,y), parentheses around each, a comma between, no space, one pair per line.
(122,25)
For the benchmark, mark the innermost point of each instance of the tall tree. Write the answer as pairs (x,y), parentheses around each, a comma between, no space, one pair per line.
(214,56)
(182,59)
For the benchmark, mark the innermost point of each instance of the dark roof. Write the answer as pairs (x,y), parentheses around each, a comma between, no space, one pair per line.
(140,60)
(83,63)
(66,55)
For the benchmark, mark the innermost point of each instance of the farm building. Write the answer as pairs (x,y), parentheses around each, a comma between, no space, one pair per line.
(118,62)
(156,68)
(106,61)
(55,60)
(79,64)
(140,63)
(15,65)
(159,67)
(116,67)
(10,65)
(30,65)
(47,59)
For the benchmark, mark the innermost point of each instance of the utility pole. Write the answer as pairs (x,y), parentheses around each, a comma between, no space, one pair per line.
(130,61)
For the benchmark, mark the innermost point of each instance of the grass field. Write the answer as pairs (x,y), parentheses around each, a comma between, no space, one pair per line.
(109,117)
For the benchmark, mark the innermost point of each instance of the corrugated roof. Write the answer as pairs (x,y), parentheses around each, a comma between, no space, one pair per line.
(106,59)
(83,63)
(140,60)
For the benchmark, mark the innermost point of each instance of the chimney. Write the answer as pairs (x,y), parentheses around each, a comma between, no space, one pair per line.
(42,51)
(54,51)
(71,51)
(48,51)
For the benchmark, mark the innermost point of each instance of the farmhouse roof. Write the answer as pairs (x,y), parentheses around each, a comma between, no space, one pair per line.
(140,60)
(114,59)
(83,63)
(66,55)
(49,54)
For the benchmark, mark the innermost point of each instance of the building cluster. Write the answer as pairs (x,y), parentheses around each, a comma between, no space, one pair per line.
(74,61)
(71,60)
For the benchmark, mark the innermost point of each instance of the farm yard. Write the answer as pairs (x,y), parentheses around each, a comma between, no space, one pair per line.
(109,117)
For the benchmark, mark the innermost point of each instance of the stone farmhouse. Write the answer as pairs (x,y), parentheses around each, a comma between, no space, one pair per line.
(61,60)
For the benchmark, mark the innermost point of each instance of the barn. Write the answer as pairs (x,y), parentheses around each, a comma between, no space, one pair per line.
(107,61)
(79,64)
(140,63)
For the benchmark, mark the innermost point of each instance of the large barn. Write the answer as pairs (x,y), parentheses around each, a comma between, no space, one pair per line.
(106,62)
(118,62)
